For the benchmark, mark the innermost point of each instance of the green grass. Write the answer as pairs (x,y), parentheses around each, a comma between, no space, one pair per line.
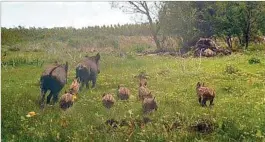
(238,113)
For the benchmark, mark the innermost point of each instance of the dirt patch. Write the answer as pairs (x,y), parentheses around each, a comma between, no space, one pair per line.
(142,75)
(129,123)
(175,125)
(203,126)
(112,122)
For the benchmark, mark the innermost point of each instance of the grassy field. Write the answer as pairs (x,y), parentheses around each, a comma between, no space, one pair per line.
(238,113)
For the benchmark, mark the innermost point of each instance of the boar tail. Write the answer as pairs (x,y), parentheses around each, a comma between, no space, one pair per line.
(50,74)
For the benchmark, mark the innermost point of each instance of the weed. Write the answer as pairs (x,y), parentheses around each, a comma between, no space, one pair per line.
(231,69)
(254,60)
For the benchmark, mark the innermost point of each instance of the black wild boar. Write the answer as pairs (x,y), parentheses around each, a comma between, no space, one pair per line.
(87,70)
(53,78)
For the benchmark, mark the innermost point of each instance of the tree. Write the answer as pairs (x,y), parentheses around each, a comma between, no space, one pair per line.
(225,21)
(149,10)
(240,19)
(252,13)
(182,19)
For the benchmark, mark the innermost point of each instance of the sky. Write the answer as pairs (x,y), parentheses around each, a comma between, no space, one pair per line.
(61,14)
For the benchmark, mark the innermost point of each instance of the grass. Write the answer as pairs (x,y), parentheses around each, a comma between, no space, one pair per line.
(238,113)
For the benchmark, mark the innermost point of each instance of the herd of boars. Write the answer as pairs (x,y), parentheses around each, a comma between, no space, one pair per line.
(54,78)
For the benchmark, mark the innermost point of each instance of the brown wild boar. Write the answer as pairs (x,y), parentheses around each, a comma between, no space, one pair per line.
(123,92)
(143,82)
(74,88)
(108,100)
(149,105)
(204,94)
(66,100)
(53,78)
(87,70)
(143,91)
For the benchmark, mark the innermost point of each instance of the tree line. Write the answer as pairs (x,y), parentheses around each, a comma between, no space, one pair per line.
(11,36)
(187,21)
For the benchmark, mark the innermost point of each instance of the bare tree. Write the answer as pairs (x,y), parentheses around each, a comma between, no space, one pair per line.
(147,9)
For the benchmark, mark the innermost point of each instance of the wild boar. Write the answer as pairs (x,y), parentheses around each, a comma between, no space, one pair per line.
(53,78)
(87,70)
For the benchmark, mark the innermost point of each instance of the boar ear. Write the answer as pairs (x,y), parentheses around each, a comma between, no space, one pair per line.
(97,57)
(154,98)
(103,94)
(203,84)
(65,91)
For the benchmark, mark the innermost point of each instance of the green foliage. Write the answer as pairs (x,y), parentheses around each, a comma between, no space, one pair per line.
(14,62)
(116,44)
(231,69)
(74,43)
(256,47)
(139,48)
(14,48)
(254,60)
(191,20)
(179,18)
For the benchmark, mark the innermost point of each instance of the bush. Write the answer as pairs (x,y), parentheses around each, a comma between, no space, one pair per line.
(18,61)
(74,43)
(256,47)
(14,48)
(230,69)
(254,60)
(116,44)
(139,48)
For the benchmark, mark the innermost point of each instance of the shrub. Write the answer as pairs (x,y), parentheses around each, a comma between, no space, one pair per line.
(254,60)
(74,43)
(139,48)
(116,44)
(14,62)
(230,69)
(256,47)
(14,48)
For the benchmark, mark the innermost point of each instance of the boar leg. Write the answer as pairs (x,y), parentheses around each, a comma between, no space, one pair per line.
(211,101)
(199,99)
(94,80)
(49,97)
(203,103)
(82,85)
(55,97)
(87,85)
(42,96)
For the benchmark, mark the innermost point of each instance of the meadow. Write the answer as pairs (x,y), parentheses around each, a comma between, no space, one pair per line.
(238,113)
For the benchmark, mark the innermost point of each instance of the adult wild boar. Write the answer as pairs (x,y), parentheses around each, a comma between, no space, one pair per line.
(53,78)
(87,70)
